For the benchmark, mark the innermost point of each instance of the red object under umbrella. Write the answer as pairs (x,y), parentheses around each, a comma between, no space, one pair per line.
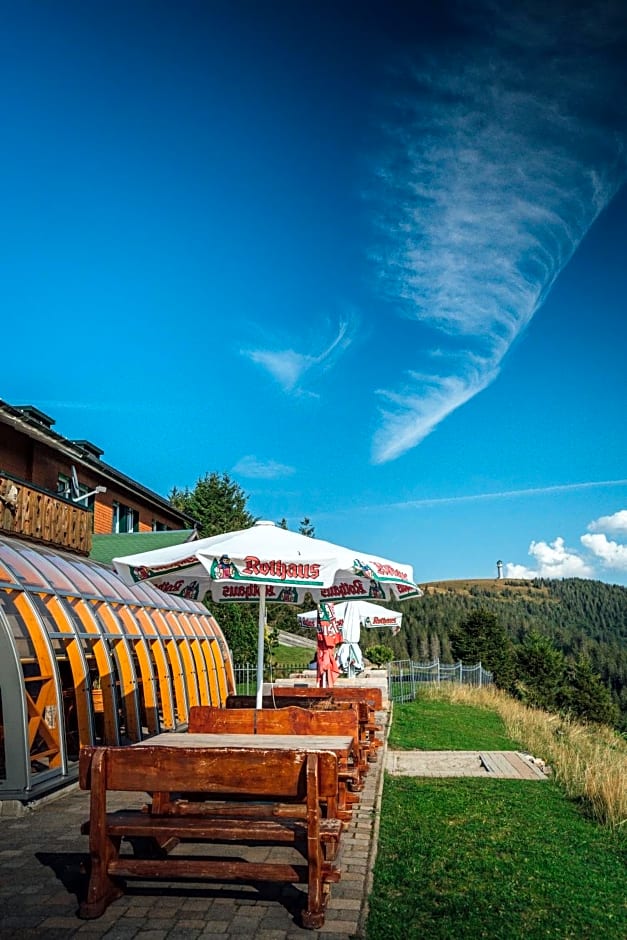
(328,637)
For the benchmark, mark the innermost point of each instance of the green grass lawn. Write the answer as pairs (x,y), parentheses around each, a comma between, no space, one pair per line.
(293,656)
(432,725)
(500,859)
(504,859)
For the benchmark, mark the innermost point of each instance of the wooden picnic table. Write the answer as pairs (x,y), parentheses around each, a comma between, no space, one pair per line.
(341,745)
(236,795)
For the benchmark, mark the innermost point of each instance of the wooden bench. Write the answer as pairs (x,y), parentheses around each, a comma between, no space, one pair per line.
(325,698)
(353,693)
(207,719)
(244,795)
(372,695)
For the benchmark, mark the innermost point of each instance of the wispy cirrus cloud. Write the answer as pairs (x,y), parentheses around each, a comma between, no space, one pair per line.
(529,491)
(502,149)
(290,368)
(250,466)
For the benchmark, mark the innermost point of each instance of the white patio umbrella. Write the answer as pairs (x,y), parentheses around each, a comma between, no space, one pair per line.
(370,615)
(267,563)
(351,617)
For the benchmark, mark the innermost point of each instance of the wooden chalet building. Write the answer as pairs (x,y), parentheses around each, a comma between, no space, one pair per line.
(60,491)
(84,658)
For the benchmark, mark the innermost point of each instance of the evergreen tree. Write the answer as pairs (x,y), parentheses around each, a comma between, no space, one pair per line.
(306,528)
(216,502)
(541,672)
(239,623)
(585,697)
(480,637)
(219,505)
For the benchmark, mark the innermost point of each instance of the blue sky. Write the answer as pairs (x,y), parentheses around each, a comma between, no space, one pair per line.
(368,259)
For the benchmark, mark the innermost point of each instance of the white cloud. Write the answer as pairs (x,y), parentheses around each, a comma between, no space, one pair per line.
(553,560)
(250,466)
(611,554)
(502,152)
(289,367)
(520,572)
(616,523)
(416,415)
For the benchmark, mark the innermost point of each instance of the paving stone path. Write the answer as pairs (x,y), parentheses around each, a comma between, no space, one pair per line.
(43,855)
(42,859)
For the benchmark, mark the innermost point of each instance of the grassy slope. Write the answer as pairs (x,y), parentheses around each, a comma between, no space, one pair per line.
(473,858)
(433,725)
(505,859)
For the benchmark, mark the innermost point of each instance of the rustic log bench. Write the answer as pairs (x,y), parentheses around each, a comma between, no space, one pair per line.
(204,719)
(353,693)
(324,698)
(372,695)
(244,795)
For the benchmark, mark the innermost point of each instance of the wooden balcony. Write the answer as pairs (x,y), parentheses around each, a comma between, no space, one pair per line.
(28,512)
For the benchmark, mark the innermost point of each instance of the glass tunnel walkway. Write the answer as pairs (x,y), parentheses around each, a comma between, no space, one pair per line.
(85,659)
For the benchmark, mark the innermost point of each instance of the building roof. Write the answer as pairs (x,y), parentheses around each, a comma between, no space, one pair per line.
(37,425)
(117,544)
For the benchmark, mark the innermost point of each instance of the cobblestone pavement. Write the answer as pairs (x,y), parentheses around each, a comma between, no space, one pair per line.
(42,878)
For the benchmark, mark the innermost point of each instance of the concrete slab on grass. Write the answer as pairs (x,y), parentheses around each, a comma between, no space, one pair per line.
(507,764)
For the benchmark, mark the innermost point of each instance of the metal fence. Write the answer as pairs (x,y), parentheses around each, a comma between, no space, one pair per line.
(246,675)
(405,676)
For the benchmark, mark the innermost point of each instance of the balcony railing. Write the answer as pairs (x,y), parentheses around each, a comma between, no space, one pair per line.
(32,513)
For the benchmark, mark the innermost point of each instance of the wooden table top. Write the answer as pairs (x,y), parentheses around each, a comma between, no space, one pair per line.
(341,744)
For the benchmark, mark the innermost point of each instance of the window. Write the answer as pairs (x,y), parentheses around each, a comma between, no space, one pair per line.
(159,526)
(125,519)
(63,486)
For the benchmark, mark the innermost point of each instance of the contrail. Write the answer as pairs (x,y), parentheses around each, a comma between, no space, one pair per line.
(480,497)
(501,149)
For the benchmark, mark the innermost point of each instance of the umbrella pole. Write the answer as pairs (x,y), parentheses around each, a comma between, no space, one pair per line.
(261,643)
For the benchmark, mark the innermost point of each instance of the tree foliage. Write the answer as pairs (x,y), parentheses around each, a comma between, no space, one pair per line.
(219,505)
(577,618)
(585,697)
(217,502)
(379,654)
(540,671)
(481,637)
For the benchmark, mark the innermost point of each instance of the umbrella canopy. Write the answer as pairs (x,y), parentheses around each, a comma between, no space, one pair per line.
(267,563)
(369,616)
(350,618)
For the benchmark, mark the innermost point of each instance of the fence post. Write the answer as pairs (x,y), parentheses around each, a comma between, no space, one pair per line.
(480,673)
(438,665)
(461,674)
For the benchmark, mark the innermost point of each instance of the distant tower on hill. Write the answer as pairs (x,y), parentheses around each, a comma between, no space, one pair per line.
(499,570)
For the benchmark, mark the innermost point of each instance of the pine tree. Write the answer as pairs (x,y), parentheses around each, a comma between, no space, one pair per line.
(480,637)
(585,697)
(541,671)
(216,502)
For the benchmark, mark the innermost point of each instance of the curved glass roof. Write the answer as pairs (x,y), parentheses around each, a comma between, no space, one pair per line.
(39,568)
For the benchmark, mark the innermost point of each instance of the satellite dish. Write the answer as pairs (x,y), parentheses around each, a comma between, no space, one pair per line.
(75,488)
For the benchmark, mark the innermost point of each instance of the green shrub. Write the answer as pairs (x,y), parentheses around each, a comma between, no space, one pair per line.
(379,654)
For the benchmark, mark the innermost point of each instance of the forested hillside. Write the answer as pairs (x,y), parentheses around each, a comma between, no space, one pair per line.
(578,616)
